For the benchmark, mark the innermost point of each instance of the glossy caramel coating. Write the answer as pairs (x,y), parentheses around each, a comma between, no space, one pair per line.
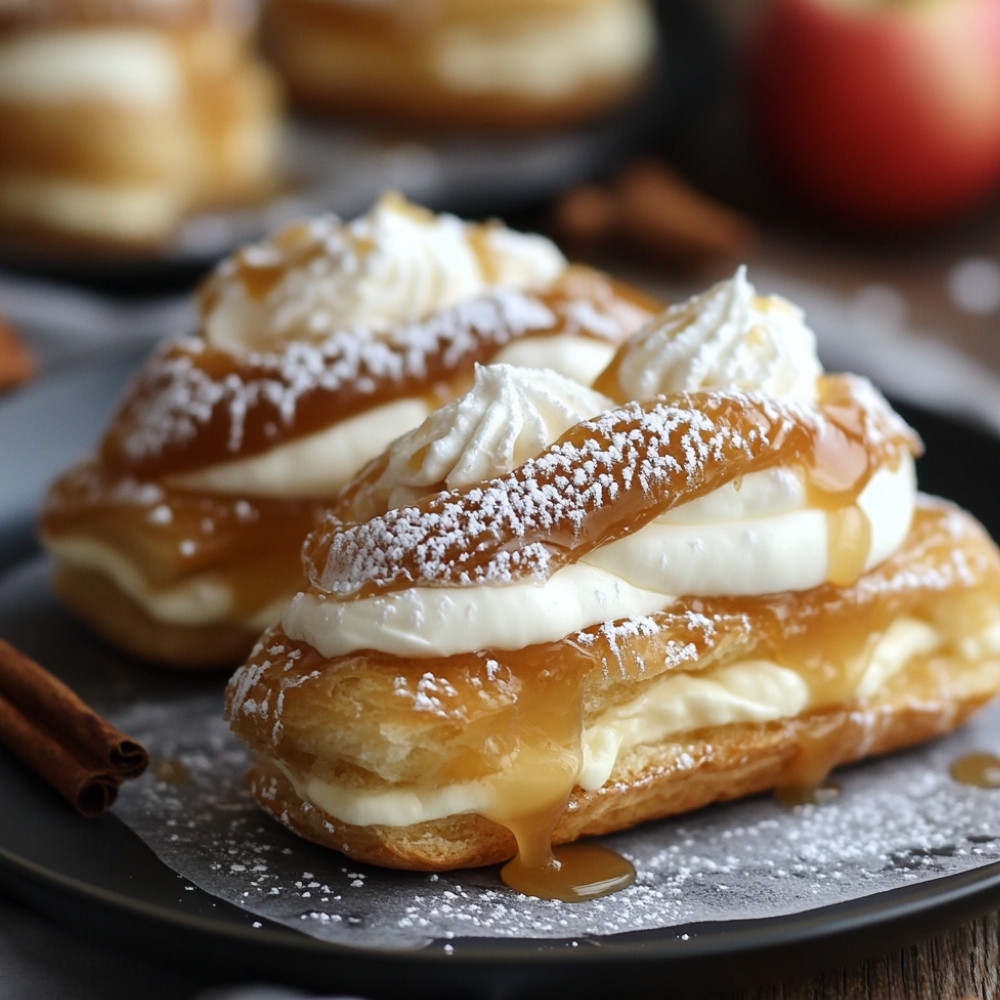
(584,490)
(515,719)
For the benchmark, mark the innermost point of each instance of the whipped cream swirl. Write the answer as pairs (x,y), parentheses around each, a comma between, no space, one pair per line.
(397,264)
(728,336)
(509,415)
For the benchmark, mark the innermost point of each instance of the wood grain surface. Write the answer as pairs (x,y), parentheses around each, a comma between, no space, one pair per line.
(960,964)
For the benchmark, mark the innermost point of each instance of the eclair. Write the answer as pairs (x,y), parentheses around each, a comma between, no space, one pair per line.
(121,118)
(555,611)
(179,539)
(510,64)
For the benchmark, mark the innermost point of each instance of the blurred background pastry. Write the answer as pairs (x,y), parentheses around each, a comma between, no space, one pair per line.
(121,117)
(465,63)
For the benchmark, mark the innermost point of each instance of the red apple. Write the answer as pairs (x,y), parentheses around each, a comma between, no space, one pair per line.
(881,112)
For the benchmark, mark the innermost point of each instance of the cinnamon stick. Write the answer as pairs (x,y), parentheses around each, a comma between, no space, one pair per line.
(17,363)
(77,752)
(651,210)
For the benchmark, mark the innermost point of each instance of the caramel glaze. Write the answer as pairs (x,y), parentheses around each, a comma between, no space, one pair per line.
(981,770)
(264,389)
(254,542)
(516,717)
(249,544)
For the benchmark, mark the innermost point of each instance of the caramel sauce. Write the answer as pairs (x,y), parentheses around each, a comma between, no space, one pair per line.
(251,545)
(172,771)
(981,770)
(576,873)
(849,538)
(803,795)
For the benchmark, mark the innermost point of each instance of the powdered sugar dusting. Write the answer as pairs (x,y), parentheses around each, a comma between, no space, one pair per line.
(176,397)
(663,448)
(898,821)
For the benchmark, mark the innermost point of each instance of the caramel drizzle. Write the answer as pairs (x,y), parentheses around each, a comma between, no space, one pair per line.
(252,544)
(606,478)
(194,405)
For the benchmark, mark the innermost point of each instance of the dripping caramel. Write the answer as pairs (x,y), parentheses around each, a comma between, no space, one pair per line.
(250,545)
(981,770)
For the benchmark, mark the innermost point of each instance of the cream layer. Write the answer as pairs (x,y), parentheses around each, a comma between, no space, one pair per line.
(133,67)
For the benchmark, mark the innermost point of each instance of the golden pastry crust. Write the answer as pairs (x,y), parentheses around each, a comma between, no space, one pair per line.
(653,781)
(127,517)
(106,608)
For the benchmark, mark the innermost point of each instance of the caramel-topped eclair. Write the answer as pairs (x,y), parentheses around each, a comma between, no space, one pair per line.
(709,576)
(120,118)
(179,539)
(509,64)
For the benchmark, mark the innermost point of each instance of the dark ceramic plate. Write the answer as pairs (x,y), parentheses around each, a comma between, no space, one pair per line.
(98,876)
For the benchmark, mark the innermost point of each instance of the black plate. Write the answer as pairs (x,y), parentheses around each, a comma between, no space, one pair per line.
(99,877)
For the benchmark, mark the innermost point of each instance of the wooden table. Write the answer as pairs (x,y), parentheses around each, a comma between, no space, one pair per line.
(962,963)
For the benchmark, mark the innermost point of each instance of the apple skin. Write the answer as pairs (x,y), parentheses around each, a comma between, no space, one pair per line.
(882,113)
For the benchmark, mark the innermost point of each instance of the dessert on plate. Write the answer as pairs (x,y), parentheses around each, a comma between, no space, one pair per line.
(122,117)
(555,610)
(179,538)
(462,63)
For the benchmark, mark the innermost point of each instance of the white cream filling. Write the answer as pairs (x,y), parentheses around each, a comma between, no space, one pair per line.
(637,575)
(579,358)
(129,211)
(129,67)
(746,692)
(395,264)
(728,336)
(546,56)
(315,465)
